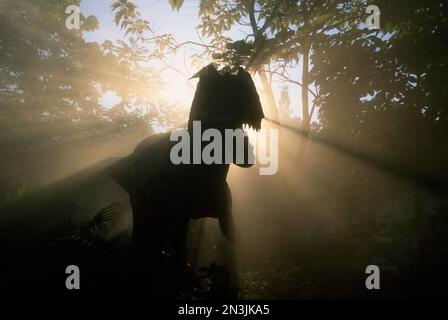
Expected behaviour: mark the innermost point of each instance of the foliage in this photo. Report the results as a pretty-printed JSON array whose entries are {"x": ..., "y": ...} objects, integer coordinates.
[
  {"x": 176, "y": 4},
  {"x": 10, "y": 198},
  {"x": 50, "y": 75},
  {"x": 128, "y": 18},
  {"x": 372, "y": 84}
]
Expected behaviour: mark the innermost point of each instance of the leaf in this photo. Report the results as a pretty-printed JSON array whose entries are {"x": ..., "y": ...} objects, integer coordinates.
[
  {"x": 176, "y": 4},
  {"x": 217, "y": 56},
  {"x": 90, "y": 23},
  {"x": 320, "y": 20}
]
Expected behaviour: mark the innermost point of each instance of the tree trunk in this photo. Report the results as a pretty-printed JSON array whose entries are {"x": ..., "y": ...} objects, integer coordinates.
[
  {"x": 267, "y": 90},
  {"x": 305, "y": 126},
  {"x": 305, "y": 84}
]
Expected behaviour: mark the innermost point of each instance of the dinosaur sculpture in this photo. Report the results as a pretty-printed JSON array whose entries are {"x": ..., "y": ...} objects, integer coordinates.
[{"x": 164, "y": 196}]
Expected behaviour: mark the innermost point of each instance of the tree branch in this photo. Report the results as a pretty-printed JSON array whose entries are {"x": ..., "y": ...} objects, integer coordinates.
[
  {"x": 271, "y": 17},
  {"x": 287, "y": 79},
  {"x": 253, "y": 22}
]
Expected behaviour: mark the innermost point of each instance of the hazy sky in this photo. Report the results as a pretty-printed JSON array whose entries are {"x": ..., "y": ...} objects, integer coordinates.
[{"x": 182, "y": 25}]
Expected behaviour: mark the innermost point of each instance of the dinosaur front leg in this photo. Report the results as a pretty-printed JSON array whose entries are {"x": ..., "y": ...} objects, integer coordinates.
[
  {"x": 179, "y": 240},
  {"x": 148, "y": 231}
]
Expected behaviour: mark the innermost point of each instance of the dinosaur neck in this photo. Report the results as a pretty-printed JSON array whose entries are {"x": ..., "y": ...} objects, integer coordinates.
[
  {"x": 226, "y": 142},
  {"x": 208, "y": 172}
]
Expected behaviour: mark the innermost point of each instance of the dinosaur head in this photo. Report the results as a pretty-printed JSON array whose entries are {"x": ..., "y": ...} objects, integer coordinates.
[{"x": 226, "y": 101}]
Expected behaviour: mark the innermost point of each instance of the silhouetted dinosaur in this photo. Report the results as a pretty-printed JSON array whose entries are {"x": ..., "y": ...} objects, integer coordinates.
[{"x": 164, "y": 196}]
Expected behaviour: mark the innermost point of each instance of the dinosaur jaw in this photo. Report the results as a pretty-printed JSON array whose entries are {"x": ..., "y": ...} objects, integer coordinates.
[
  {"x": 254, "y": 125},
  {"x": 229, "y": 123}
]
